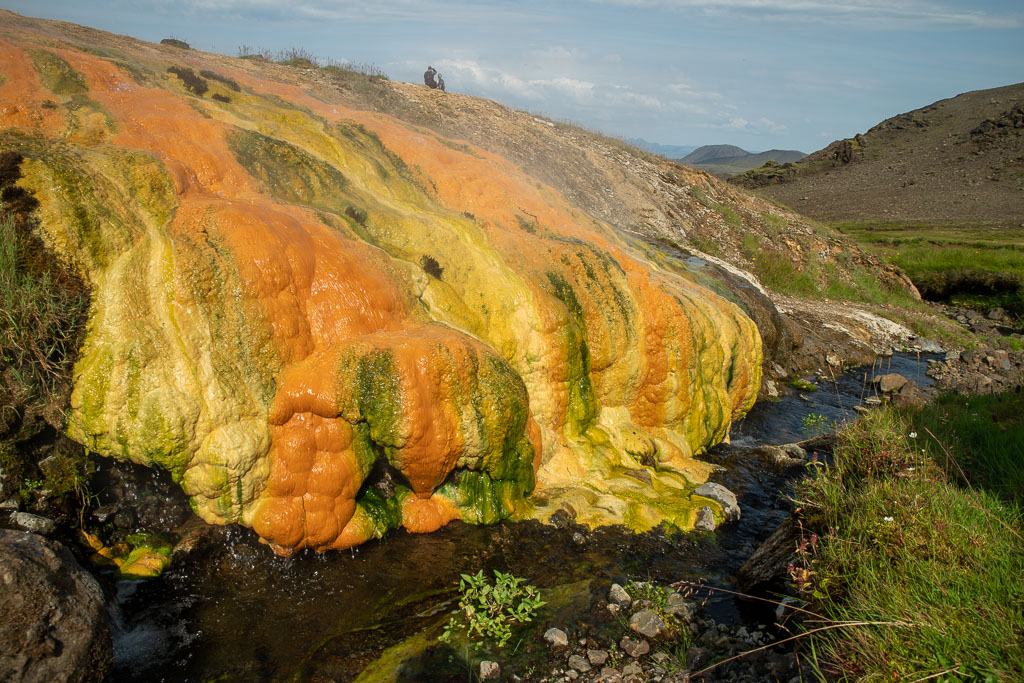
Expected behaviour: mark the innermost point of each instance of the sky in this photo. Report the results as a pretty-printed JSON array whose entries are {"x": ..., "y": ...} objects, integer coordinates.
[{"x": 759, "y": 74}]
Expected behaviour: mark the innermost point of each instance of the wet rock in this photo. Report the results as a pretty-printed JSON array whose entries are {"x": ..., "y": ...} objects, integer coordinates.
[
  {"x": 489, "y": 671},
  {"x": 723, "y": 496},
  {"x": 556, "y": 638},
  {"x": 579, "y": 541},
  {"x": 10, "y": 504},
  {"x": 890, "y": 382},
  {"x": 767, "y": 566},
  {"x": 647, "y": 623},
  {"x": 609, "y": 675},
  {"x": 104, "y": 513},
  {"x": 996, "y": 314},
  {"x": 55, "y": 625},
  {"x": 779, "y": 457},
  {"x": 597, "y": 657},
  {"x": 634, "y": 648},
  {"x": 562, "y": 518},
  {"x": 33, "y": 523},
  {"x": 771, "y": 389},
  {"x": 705, "y": 519},
  {"x": 617, "y": 595},
  {"x": 579, "y": 663}
]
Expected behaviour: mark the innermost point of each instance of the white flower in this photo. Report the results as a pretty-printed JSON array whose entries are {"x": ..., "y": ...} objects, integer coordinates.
[
  {"x": 913, "y": 435},
  {"x": 887, "y": 519}
]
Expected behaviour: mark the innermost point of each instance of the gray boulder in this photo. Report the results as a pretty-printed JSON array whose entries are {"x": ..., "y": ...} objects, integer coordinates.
[
  {"x": 722, "y": 496},
  {"x": 55, "y": 625}
]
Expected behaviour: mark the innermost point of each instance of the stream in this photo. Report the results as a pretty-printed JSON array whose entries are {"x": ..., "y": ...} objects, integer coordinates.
[{"x": 235, "y": 611}]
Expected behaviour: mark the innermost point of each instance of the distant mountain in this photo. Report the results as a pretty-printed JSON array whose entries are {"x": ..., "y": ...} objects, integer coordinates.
[
  {"x": 958, "y": 160},
  {"x": 667, "y": 151},
  {"x": 727, "y": 160},
  {"x": 708, "y": 152}
]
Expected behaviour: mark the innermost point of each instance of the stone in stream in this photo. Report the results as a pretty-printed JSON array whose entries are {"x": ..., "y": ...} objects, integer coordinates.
[
  {"x": 634, "y": 648},
  {"x": 647, "y": 623},
  {"x": 617, "y": 595},
  {"x": 489, "y": 671},
  {"x": 723, "y": 496},
  {"x": 767, "y": 565},
  {"x": 705, "y": 519},
  {"x": 54, "y": 626},
  {"x": 889, "y": 382},
  {"x": 556, "y": 638}
]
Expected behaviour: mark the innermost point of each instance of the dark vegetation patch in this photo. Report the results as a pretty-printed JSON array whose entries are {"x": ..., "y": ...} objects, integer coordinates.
[
  {"x": 192, "y": 81},
  {"x": 174, "y": 42},
  {"x": 220, "y": 98},
  {"x": 214, "y": 76},
  {"x": 43, "y": 306},
  {"x": 431, "y": 266},
  {"x": 288, "y": 173},
  {"x": 358, "y": 215}
]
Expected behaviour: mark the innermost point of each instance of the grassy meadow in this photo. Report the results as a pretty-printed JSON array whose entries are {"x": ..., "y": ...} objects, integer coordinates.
[
  {"x": 912, "y": 554},
  {"x": 976, "y": 266}
]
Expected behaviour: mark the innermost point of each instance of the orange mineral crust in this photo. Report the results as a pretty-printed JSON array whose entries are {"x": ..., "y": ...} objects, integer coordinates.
[{"x": 327, "y": 323}]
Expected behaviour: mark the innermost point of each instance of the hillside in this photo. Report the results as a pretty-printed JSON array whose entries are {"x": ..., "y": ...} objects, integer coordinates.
[
  {"x": 727, "y": 160},
  {"x": 958, "y": 160},
  {"x": 331, "y": 305}
]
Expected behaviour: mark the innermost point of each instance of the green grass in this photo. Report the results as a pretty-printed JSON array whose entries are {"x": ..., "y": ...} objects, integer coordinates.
[
  {"x": 985, "y": 439},
  {"x": 42, "y": 306},
  {"x": 981, "y": 266},
  {"x": 922, "y": 567}
]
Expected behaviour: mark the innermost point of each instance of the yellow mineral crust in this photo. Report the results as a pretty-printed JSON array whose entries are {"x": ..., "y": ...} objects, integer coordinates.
[{"x": 326, "y": 322}]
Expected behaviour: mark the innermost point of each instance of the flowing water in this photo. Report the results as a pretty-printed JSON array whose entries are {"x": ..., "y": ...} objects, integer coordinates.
[{"x": 236, "y": 612}]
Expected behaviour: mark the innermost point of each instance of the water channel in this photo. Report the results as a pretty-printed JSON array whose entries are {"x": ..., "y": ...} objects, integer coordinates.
[{"x": 237, "y": 612}]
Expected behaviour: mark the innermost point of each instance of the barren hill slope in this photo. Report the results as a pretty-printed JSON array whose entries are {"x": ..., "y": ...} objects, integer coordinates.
[{"x": 959, "y": 160}]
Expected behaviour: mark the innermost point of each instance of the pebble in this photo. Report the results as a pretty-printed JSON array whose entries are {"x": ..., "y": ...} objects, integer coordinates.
[
  {"x": 556, "y": 638},
  {"x": 579, "y": 664},
  {"x": 679, "y": 607},
  {"x": 489, "y": 671},
  {"x": 705, "y": 519},
  {"x": 634, "y": 648},
  {"x": 617, "y": 595},
  {"x": 647, "y": 623},
  {"x": 723, "y": 496},
  {"x": 597, "y": 657}
]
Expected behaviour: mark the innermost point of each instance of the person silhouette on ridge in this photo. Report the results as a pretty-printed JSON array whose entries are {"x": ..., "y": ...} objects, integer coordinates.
[{"x": 430, "y": 77}]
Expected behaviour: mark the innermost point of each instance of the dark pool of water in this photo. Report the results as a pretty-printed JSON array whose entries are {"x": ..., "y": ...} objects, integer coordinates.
[{"x": 240, "y": 613}]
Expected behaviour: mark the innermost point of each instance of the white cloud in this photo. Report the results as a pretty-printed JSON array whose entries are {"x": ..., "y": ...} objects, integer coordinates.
[{"x": 871, "y": 14}]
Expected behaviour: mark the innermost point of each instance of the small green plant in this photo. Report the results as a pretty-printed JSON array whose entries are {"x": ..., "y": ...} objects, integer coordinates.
[
  {"x": 816, "y": 424},
  {"x": 488, "y": 611},
  {"x": 803, "y": 385}
]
